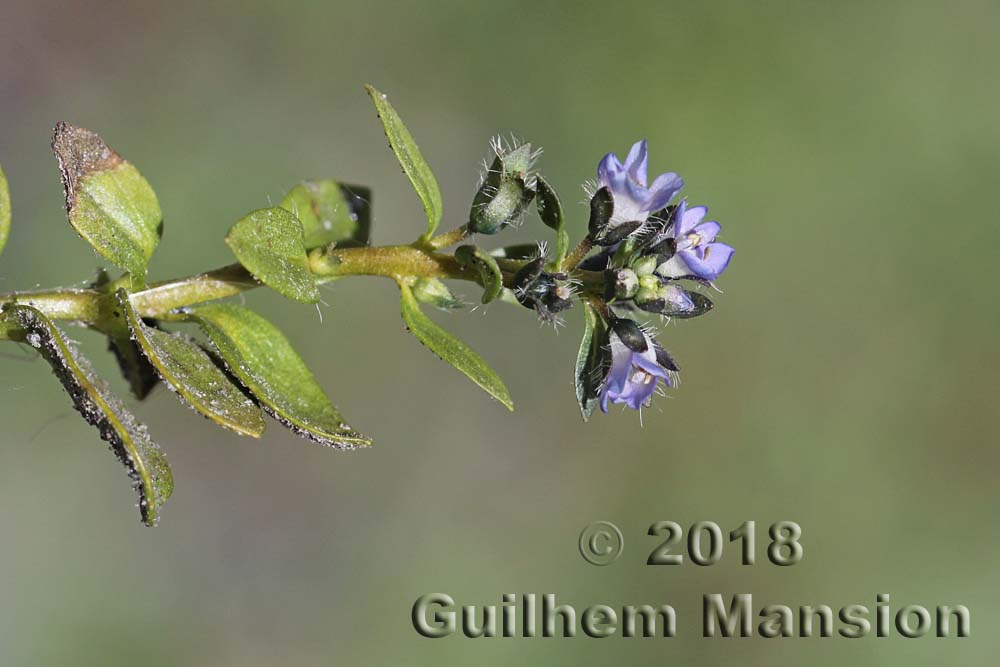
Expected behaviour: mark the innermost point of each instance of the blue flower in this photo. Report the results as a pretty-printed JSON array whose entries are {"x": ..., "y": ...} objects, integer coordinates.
[
  {"x": 638, "y": 364},
  {"x": 634, "y": 200},
  {"x": 696, "y": 252}
]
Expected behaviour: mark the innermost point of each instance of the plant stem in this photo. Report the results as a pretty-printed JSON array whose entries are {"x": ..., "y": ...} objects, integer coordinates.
[
  {"x": 577, "y": 254},
  {"x": 92, "y": 307}
]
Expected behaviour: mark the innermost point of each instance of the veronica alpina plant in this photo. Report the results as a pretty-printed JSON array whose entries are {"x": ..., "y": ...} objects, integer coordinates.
[{"x": 652, "y": 259}]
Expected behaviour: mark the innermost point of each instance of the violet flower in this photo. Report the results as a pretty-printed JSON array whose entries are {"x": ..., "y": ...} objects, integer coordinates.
[
  {"x": 634, "y": 199},
  {"x": 638, "y": 364},
  {"x": 696, "y": 252}
]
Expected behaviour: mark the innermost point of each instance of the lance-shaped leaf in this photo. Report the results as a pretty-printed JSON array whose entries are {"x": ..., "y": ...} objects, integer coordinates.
[
  {"x": 551, "y": 212},
  {"x": 451, "y": 349},
  {"x": 260, "y": 356},
  {"x": 129, "y": 439},
  {"x": 410, "y": 159},
  {"x": 489, "y": 273},
  {"x": 194, "y": 377},
  {"x": 108, "y": 201},
  {"x": 4, "y": 210},
  {"x": 269, "y": 242},
  {"x": 331, "y": 212},
  {"x": 592, "y": 362}
]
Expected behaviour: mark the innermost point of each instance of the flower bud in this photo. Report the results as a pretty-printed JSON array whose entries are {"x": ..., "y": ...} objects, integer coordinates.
[
  {"x": 649, "y": 282},
  {"x": 621, "y": 283},
  {"x": 435, "y": 293},
  {"x": 505, "y": 192},
  {"x": 648, "y": 299},
  {"x": 645, "y": 266}
]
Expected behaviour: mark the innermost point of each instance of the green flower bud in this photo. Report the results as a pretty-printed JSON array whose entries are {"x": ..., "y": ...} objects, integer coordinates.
[
  {"x": 649, "y": 282},
  {"x": 645, "y": 266},
  {"x": 621, "y": 283},
  {"x": 646, "y": 295},
  {"x": 434, "y": 293},
  {"x": 505, "y": 192}
]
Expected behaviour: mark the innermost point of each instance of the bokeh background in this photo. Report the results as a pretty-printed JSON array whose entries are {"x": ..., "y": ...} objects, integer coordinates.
[{"x": 846, "y": 380}]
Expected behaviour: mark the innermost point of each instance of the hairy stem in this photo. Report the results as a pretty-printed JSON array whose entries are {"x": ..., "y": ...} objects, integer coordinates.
[
  {"x": 93, "y": 307},
  {"x": 577, "y": 254}
]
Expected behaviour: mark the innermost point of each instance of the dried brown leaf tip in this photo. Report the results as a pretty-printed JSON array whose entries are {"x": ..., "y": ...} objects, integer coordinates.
[{"x": 80, "y": 152}]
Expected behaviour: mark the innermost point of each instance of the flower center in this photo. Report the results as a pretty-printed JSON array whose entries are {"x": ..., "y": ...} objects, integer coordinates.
[
  {"x": 692, "y": 240},
  {"x": 641, "y": 376}
]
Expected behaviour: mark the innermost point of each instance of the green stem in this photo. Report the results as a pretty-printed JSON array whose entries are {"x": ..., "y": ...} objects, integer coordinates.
[{"x": 94, "y": 307}]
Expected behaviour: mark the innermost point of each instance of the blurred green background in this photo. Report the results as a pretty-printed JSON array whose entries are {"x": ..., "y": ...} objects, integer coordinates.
[{"x": 846, "y": 379}]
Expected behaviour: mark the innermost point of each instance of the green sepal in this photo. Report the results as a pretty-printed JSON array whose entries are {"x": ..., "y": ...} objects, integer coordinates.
[
  {"x": 489, "y": 272},
  {"x": 410, "y": 159},
  {"x": 270, "y": 243},
  {"x": 592, "y": 362},
  {"x": 108, "y": 202},
  {"x": 331, "y": 212},
  {"x": 551, "y": 212},
  {"x": 4, "y": 210},
  {"x": 451, "y": 349},
  {"x": 193, "y": 375},
  {"x": 259, "y": 355},
  {"x": 91, "y": 396}
]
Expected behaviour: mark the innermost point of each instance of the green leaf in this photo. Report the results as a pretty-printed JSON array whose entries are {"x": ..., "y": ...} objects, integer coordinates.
[
  {"x": 108, "y": 201},
  {"x": 551, "y": 212},
  {"x": 193, "y": 376},
  {"x": 331, "y": 212},
  {"x": 410, "y": 159},
  {"x": 269, "y": 243},
  {"x": 4, "y": 210},
  {"x": 489, "y": 272},
  {"x": 592, "y": 361},
  {"x": 129, "y": 439},
  {"x": 261, "y": 357},
  {"x": 451, "y": 349}
]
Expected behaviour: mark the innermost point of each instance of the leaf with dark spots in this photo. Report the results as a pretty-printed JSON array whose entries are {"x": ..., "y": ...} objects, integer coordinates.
[{"x": 130, "y": 441}]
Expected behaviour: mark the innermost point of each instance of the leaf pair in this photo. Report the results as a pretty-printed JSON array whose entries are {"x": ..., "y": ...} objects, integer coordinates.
[
  {"x": 439, "y": 341},
  {"x": 254, "y": 351},
  {"x": 257, "y": 357}
]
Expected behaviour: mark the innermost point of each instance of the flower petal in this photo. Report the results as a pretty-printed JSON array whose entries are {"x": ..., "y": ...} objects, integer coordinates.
[
  {"x": 651, "y": 366},
  {"x": 708, "y": 231},
  {"x": 679, "y": 299},
  {"x": 688, "y": 218},
  {"x": 636, "y": 162},
  {"x": 609, "y": 170},
  {"x": 663, "y": 189},
  {"x": 708, "y": 261}
]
